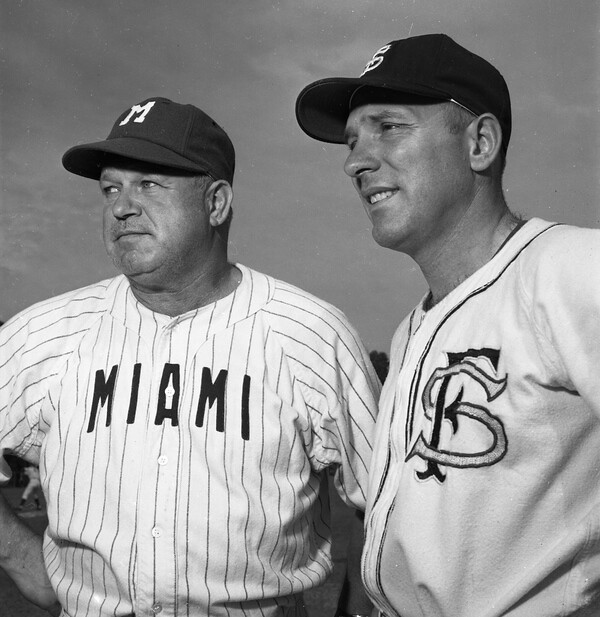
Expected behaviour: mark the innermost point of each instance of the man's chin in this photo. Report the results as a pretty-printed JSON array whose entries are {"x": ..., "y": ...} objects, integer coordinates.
[
  {"x": 393, "y": 238},
  {"x": 135, "y": 269},
  {"x": 384, "y": 240}
]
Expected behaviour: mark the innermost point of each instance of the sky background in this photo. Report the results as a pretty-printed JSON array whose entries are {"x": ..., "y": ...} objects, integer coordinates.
[{"x": 70, "y": 67}]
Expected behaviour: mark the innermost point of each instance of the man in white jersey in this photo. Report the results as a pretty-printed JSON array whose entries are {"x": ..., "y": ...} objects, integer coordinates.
[
  {"x": 185, "y": 415},
  {"x": 484, "y": 493}
]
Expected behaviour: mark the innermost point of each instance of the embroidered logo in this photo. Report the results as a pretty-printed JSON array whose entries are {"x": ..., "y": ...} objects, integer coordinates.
[
  {"x": 140, "y": 111},
  {"x": 450, "y": 394},
  {"x": 376, "y": 60}
]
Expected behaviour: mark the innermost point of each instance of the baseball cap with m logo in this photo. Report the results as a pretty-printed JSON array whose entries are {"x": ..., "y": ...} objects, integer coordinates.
[{"x": 162, "y": 132}]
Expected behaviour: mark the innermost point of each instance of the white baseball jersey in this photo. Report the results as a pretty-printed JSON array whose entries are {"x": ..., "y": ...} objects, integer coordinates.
[
  {"x": 184, "y": 460},
  {"x": 484, "y": 496}
]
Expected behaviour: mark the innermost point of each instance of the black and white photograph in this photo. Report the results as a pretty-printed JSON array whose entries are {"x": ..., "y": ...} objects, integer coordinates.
[{"x": 300, "y": 308}]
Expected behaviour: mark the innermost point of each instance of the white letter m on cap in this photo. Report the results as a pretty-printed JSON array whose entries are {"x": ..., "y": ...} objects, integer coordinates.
[{"x": 142, "y": 110}]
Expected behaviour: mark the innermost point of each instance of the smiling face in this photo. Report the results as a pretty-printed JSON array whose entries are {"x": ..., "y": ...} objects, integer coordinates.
[
  {"x": 156, "y": 226},
  {"x": 411, "y": 171}
]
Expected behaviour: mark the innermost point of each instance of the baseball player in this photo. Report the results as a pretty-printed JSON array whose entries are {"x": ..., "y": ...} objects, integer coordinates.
[
  {"x": 32, "y": 488},
  {"x": 484, "y": 495},
  {"x": 184, "y": 414}
]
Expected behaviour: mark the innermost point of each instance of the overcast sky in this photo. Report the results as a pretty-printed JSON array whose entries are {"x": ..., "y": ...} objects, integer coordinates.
[{"x": 70, "y": 67}]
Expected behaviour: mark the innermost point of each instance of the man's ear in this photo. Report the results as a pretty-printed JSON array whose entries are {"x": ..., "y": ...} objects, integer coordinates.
[
  {"x": 219, "y": 197},
  {"x": 485, "y": 136}
]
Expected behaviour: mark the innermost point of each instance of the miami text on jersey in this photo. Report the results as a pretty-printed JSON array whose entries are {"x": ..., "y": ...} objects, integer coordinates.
[{"x": 211, "y": 392}]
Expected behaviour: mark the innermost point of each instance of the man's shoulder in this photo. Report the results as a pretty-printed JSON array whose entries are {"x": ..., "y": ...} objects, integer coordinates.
[
  {"x": 556, "y": 247},
  {"x": 292, "y": 308},
  {"x": 288, "y": 292},
  {"x": 557, "y": 268},
  {"x": 72, "y": 307},
  {"x": 306, "y": 305}
]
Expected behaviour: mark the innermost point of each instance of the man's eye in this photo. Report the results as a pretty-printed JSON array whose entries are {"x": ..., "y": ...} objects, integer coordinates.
[
  {"x": 390, "y": 126},
  {"x": 351, "y": 144},
  {"x": 109, "y": 190},
  {"x": 148, "y": 184}
]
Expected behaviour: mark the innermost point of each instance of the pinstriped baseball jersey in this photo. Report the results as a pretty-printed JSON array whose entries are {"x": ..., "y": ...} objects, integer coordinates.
[
  {"x": 184, "y": 460},
  {"x": 484, "y": 494}
]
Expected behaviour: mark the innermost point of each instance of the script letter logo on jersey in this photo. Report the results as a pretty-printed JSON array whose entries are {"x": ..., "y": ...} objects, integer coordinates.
[{"x": 460, "y": 394}]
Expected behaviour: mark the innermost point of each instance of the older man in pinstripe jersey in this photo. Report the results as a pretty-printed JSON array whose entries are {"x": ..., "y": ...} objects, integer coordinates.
[{"x": 185, "y": 415}]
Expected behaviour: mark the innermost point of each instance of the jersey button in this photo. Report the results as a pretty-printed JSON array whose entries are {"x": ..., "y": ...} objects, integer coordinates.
[
  {"x": 156, "y": 532},
  {"x": 157, "y": 608},
  {"x": 163, "y": 460}
]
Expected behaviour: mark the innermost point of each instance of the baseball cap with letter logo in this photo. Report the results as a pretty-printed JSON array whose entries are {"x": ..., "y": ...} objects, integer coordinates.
[
  {"x": 376, "y": 60},
  {"x": 162, "y": 132},
  {"x": 431, "y": 65}
]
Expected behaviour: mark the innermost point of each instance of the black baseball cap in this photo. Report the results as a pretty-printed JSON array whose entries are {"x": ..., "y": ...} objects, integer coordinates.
[
  {"x": 162, "y": 132},
  {"x": 430, "y": 65}
]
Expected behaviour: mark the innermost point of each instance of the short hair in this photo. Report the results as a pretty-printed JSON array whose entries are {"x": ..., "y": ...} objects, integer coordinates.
[
  {"x": 458, "y": 119},
  {"x": 201, "y": 182}
]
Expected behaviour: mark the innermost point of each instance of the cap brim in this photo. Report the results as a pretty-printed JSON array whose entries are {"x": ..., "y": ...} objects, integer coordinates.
[
  {"x": 87, "y": 160},
  {"x": 323, "y": 107}
]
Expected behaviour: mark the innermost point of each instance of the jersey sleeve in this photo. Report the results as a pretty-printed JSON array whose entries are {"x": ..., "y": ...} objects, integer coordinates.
[
  {"x": 353, "y": 414},
  {"x": 17, "y": 393},
  {"x": 563, "y": 289},
  {"x": 341, "y": 391}
]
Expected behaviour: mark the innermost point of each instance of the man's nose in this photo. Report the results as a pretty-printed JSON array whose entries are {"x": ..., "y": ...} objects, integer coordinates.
[
  {"x": 362, "y": 159},
  {"x": 125, "y": 205}
]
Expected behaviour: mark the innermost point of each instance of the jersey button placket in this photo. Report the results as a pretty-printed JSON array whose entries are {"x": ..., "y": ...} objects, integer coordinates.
[{"x": 156, "y": 509}]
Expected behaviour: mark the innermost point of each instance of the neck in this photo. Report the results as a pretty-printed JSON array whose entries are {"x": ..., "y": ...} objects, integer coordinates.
[
  {"x": 470, "y": 246},
  {"x": 206, "y": 288}
]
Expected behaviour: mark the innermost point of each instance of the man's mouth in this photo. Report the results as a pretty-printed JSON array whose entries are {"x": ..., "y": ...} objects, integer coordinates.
[
  {"x": 128, "y": 232},
  {"x": 380, "y": 196}
]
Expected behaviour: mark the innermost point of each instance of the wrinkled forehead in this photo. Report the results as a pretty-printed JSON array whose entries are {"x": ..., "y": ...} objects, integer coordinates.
[{"x": 114, "y": 164}]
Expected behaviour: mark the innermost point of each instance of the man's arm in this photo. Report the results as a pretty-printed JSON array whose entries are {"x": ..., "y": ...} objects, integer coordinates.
[
  {"x": 21, "y": 558},
  {"x": 353, "y": 598}
]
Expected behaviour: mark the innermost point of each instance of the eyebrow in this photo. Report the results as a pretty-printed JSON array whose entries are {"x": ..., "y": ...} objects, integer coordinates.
[
  {"x": 104, "y": 174},
  {"x": 377, "y": 117}
]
